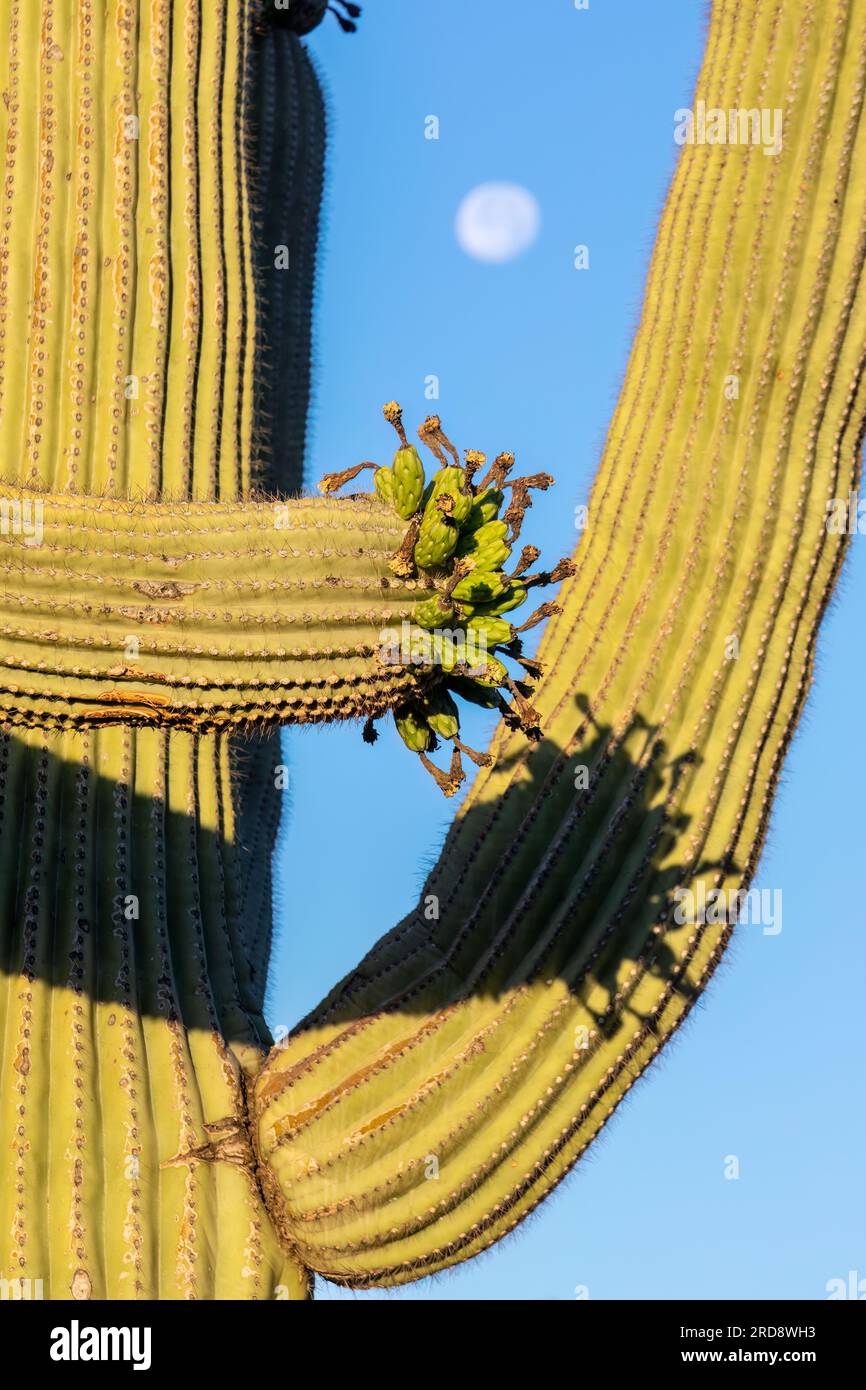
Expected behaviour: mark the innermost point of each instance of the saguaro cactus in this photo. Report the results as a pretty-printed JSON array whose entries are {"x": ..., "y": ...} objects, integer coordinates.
[{"x": 138, "y": 356}]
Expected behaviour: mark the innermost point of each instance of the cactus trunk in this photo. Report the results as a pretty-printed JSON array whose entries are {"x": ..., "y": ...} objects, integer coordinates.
[
  {"x": 143, "y": 141},
  {"x": 486, "y": 1048}
]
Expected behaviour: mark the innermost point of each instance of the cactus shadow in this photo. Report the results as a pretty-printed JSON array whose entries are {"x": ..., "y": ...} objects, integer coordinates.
[
  {"x": 568, "y": 869},
  {"x": 566, "y": 866},
  {"x": 122, "y": 899}
]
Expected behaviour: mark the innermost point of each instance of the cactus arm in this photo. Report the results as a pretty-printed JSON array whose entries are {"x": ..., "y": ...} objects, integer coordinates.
[
  {"x": 441, "y": 1091},
  {"x": 347, "y": 614},
  {"x": 238, "y": 616},
  {"x": 257, "y": 613}
]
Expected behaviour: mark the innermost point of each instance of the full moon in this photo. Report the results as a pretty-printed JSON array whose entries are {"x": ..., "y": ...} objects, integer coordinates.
[{"x": 497, "y": 222}]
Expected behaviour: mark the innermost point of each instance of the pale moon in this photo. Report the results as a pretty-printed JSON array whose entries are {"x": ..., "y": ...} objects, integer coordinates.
[{"x": 497, "y": 222}]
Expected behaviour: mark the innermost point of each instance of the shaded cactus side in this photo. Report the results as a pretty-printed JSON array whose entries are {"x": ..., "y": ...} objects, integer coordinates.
[{"x": 287, "y": 138}]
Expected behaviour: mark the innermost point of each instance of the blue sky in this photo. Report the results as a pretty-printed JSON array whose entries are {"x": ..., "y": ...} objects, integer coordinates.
[{"x": 577, "y": 106}]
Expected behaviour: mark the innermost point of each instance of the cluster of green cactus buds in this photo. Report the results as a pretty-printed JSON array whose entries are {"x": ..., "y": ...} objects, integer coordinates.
[{"x": 459, "y": 538}]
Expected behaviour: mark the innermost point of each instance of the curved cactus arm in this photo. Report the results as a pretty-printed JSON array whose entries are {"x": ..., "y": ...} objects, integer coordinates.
[{"x": 484, "y": 1043}]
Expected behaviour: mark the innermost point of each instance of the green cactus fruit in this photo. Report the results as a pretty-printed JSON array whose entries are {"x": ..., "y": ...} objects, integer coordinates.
[
  {"x": 448, "y": 649},
  {"x": 484, "y": 509},
  {"x": 493, "y": 631},
  {"x": 491, "y": 673},
  {"x": 471, "y": 541},
  {"x": 442, "y": 714},
  {"x": 413, "y": 729},
  {"x": 434, "y": 612},
  {"x": 451, "y": 482},
  {"x": 480, "y": 586},
  {"x": 383, "y": 481},
  {"x": 486, "y": 548},
  {"x": 408, "y": 481},
  {"x": 437, "y": 539},
  {"x": 512, "y": 597},
  {"x": 491, "y": 556}
]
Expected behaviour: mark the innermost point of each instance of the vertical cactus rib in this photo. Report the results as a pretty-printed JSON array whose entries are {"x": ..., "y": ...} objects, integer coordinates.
[
  {"x": 214, "y": 269},
  {"x": 186, "y": 232},
  {"x": 234, "y": 451},
  {"x": 451, "y": 1080}
]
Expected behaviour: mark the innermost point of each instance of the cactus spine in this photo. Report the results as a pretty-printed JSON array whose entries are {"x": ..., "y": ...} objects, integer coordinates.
[{"x": 500, "y": 1038}]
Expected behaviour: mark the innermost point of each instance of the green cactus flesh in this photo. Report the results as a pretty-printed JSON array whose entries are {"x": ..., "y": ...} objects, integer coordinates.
[{"x": 160, "y": 155}]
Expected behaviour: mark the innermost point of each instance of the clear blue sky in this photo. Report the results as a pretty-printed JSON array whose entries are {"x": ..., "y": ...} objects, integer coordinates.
[{"x": 578, "y": 107}]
